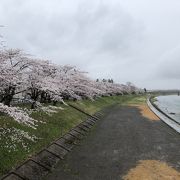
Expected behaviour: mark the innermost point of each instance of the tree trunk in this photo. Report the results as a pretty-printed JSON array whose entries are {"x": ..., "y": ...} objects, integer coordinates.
[
  {"x": 33, "y": 105},
  {"x": 54, "y": 103},
  {"x": 34, "y": 95},
  {"x": 8, "y": 97}
]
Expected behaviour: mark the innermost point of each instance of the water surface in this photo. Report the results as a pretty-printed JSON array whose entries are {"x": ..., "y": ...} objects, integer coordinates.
[{"x": 170, "y": 105}]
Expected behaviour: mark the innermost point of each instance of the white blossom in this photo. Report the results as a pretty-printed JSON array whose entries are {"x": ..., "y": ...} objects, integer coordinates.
[
  {"x": 18, "y": 115},
  {"x": 40, "y": 81}
]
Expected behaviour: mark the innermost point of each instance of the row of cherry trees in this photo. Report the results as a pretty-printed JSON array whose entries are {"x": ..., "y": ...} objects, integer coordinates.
[{"x": 41, "y": 81}]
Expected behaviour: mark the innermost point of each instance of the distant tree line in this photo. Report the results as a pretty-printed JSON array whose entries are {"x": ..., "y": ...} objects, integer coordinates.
[{"x": 105, "y": 80}]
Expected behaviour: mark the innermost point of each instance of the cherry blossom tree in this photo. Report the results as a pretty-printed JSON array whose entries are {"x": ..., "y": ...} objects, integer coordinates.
[
  {"x": 77, "y": 84},
  {"x": 131, "y": 88},
  {"x": 14, "y": 69},
  {"x": 42, "y": 81}
]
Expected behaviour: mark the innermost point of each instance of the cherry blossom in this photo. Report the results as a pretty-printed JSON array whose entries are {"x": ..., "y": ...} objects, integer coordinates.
[
  {"x": 18, "y": 115},
  {"x": 39, "y": 81}
]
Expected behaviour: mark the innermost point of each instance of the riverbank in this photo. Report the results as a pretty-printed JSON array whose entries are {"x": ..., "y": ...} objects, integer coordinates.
[
  {"x": 19, "y": 142},
  {"x": 170, "y": 104},
  {"x": 161, "y": 110}
]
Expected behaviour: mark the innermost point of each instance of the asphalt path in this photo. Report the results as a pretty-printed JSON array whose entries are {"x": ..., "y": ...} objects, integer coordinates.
[{"x": 115, "y": 145}]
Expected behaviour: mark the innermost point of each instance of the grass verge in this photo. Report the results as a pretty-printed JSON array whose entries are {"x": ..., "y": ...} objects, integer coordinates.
[{"x": 93, "y": 106}]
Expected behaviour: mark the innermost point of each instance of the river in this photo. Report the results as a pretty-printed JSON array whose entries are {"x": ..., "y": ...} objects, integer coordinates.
[{"x": 170, "y": 105}]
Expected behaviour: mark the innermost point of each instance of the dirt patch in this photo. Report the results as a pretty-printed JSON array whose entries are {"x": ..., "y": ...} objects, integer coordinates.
[
  {"x": 152, "y": 170},
  {"x": 146, "y": 112}
]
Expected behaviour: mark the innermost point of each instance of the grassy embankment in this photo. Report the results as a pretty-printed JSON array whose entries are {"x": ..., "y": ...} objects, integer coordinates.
[{"x": 15, "y": 148}]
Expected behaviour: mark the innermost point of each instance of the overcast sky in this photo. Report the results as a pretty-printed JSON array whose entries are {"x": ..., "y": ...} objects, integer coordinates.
[{"x": 127, "y": 40}]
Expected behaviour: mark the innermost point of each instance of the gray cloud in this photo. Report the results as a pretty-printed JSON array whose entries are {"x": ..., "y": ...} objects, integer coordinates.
[
  {"x": 169, "y": 66},
  {"x": 124, "y": 40}
]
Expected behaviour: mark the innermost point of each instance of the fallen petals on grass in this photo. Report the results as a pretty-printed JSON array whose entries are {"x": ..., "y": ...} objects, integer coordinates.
[
  {"x": 18, "y": 115},
  {"x": 11, "y": 138}
]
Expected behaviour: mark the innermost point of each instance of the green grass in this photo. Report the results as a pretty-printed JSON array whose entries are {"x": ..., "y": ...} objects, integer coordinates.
[
  {"x": 136, "y": 100},
  {"x": 56, "y": 125},
  {"x": 153, "y": 97},
  {"x": 93, "y": 106}
]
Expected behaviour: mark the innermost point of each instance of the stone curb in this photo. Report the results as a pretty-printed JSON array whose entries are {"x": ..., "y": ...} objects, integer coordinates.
[
  {"x": 43, "y": 162},
  {"x": 169, "y": 121}
]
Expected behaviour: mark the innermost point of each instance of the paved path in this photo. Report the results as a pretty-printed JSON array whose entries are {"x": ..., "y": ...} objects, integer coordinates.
[{"x": 116, "y": 144}]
